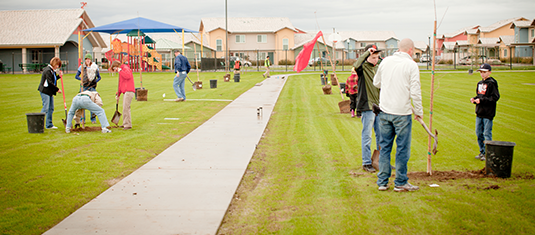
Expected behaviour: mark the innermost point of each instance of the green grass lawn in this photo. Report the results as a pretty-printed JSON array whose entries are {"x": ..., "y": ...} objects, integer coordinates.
[
  {"x": 306, "y": 176},
  {"x": 45, "y": 177}
]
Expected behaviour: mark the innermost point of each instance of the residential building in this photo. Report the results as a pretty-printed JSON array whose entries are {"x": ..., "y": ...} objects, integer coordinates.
[
  {"x": 524, "y": 34},
  {"x": 252, "y": 38},
  {"x": 35, "y": 36}
]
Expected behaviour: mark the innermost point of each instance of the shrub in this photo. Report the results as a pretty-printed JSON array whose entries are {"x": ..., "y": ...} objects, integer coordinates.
[
  {"x": 445, "y": 62},
  {"x": 286, "y": 62}
]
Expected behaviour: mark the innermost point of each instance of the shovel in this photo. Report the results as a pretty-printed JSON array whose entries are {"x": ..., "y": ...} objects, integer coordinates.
[
  {"x": 116, "y": 116},
  {"x": 192, "y": 84},
  {"x": 64, "y": 103},
  {"x": 435, "y": 136}
]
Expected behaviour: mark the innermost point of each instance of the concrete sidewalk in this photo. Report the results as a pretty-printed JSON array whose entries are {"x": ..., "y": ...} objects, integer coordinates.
[{"x": 189, "y": 186}]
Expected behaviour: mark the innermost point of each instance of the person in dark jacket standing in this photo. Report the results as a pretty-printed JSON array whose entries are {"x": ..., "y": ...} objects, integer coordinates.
[
  {"x": 487, "y": 95},
  {"x": 48, "y": 89},
  {"x": 182, "y": 69},
  {"x": 368, "y": 94}
]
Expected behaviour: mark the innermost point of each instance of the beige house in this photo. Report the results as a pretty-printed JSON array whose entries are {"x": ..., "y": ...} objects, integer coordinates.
[{"x": 251, "y": 38}]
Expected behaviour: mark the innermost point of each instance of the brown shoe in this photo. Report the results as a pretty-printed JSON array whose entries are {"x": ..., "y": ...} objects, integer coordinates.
[
  {"x": 179, "y": 99},
  {"x": 127, "y": 128}
]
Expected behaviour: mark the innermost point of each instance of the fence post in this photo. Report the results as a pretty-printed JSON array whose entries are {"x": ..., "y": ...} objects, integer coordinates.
[
  {"x": 12, "y": 62},
  {"x": 286, "y": 60}
]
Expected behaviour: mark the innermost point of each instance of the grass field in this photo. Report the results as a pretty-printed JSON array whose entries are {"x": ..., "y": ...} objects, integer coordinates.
[
  {"x": 46, "y": 177},
  {"x": 306, "y": 176}
]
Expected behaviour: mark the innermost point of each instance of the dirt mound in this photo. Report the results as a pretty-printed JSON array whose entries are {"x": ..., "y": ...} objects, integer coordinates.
[
  {"x": 447, "y": 175},
  {"x": 91, "y": 128}
]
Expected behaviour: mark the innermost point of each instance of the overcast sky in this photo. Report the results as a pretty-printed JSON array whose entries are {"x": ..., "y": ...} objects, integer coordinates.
[{"x": 407, "y": 18}]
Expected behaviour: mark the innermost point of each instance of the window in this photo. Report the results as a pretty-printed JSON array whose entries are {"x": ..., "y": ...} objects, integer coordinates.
[
  {"x": 532, "y": 32},
  {"x": 262, "y": 38},
  {"x": 362, "y": 44},
  {"x": 240, "y": 38},
  {"x": 285, "y": 43},
  {"x": 262, "y": 55},
  {"x": 219, "y": 44},
  {"x": 504, "y": 52}
]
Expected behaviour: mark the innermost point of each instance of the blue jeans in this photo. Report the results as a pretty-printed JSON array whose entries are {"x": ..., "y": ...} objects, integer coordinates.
[
  {"x": 84, "y": 102},
  {"x": 392, "y": 126},
  {"x": 178, "y": 85},
  {"x": 48, "y": 108},
  {"x": 369, "y": 121},
  {"x": 93, "y": 119},
  {"x": 483, "y": 132}
]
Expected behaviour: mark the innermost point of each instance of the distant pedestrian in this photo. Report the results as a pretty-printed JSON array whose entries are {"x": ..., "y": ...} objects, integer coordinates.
[
  {"x": 86, "y": 100},
  {"x": 398, "y": 77},
  {"x": 48, "y": 89},
  {"x": 182, "y": 68},
  {"x": 487, "y": 95},
  {"x": 267, "y": 64},
  {"x": 352, "y": 91},
  {"x": 368, "y": 95},
  {"x": 237, "y": 66},
  {"x": 126, "y": 87}
]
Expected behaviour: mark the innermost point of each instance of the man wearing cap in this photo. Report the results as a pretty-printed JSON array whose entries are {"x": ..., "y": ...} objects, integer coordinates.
[
  {"x": 398, "y": 77},
  {"x": 487, "y": 95},
  {"x": 368, "y": 95},
  {"x": 91, "y": 78},
  {"x": 182, "y": 68}
]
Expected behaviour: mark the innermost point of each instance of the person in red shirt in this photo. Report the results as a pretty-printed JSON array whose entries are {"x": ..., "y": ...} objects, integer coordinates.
[
  {"x": 126, "y": 87},
  {"x": 352, "y": 91}
]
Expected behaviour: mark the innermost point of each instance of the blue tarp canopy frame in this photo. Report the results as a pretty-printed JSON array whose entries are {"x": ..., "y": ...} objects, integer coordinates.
[{"x": 143, "y": 24}]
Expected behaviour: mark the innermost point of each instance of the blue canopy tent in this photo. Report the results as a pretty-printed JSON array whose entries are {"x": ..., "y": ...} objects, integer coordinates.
[{"x": 142, "y": 24}]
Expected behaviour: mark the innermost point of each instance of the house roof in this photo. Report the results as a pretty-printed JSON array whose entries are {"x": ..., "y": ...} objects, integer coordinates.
[
  {"x": 460, "y": 31},
  {"x": 247, "y": 24},
  {"x": 500, "y": 24},
  {"x": 507, "y": 40},
  {"x": 301, "y": 38},
  {"x": 521, "y": 24},
  {"x": 420, "y": 45},
  {"x": 368, "y": 36},
  {"x": 472, "y": 31},
  {"x": 488, "y": 42},
  {"x": 43, "y": 28},
  {"x": 449, "y": 45},
  {"x": 164, "y": 44},
  {"x": 462, "y": 43}
]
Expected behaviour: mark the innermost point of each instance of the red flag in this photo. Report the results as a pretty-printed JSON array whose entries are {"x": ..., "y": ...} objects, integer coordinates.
[{"x": 301, "y": 61}]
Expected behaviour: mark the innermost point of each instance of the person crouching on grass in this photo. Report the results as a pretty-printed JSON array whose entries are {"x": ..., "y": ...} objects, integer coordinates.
[
  {"x": 487, "y": 95},
  {"x": 86, "y": 100},
  {"x": 352, "y": 92},
  {"x": 126, "y": 87}
]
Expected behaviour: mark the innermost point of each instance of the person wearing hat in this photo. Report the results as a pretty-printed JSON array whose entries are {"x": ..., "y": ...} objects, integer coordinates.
[
  {"x": 182, "y": 68},
  {"x": 91, "y": 78},
  {"x": 487, "y": 95},
  {"x": 367, "y": 96}
]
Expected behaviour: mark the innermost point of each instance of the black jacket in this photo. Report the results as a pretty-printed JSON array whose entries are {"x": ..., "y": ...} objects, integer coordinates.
[
  {"x": 48, "y": 76},
  {"x": 488, "y": 94}
]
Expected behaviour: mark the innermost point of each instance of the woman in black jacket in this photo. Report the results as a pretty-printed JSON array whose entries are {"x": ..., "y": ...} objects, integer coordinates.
[{"x": 48, "y": 89}]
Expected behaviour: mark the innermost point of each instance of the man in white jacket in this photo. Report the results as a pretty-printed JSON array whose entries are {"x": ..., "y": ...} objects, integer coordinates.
[{"x": 398, "y": 77}]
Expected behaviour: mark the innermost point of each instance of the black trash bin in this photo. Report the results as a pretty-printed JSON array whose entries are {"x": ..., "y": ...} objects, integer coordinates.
[
  {"x": 323, "y": 79},
  {"x": 499, "y": 158},
  {"x": 36, "y": 122},
  {"x": 236, "y": 77},
  {"x": 213, "y": 83},
  {"x": 343, "y": 86}
]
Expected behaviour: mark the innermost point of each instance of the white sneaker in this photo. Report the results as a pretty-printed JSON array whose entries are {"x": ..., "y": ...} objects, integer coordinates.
[
  {"x": 383, "y": 187},
  {"x": 52, "y": 128},
  {"x": 106, "y": 130},
  {"x": 67, "y": 130},
  {"x": 406, "y": 188}
]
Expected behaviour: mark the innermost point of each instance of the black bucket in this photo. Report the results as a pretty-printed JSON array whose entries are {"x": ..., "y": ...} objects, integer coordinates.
[
  {"x": 236, "y": 77},
  {"x": 323, "y": 79},
  {"x": 36, "y": 122},
  {"x": 499, "y": 158},
  {"x": 213, "y": 83},
  {"x": 343, "y": 86}
]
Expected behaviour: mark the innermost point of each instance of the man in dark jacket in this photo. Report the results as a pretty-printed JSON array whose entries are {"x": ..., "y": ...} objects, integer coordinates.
[
  {"x": 182, "y": 68},
  {"x": 485, "y": 101},
  {"x": 368, "y": 94}
]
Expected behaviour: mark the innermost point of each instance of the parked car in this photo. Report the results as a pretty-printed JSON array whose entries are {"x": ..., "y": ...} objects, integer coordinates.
[
  {"x": 467, "y": 60},
  {"x": 427, "y": 58},
  {"x": 243, "y": 61},
  {"x": 317, "y": 60}
]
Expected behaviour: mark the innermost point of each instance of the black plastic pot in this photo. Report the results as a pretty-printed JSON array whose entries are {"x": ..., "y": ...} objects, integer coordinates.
[
  {"x": 499, "y": 158},
  {"x": 213, "y": 83},
  {"x": 36, "y": 122},
  {"x": 236, "y": 77}
]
